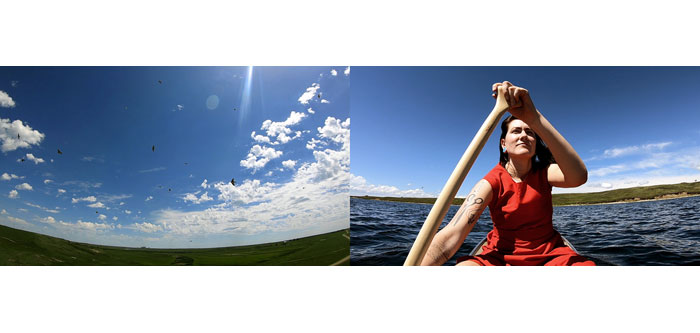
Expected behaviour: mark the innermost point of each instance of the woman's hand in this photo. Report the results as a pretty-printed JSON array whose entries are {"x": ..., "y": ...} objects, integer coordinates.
[{"x": 519, "y": 102}]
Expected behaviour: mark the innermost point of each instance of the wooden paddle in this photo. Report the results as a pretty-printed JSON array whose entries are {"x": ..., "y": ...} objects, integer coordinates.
[{"x": 448, "y": 193}]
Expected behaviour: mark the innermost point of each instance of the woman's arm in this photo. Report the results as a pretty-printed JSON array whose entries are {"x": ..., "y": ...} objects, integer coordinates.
[
  {"x": 448, "y": 240},
  {"x": 570, "y": 171}
]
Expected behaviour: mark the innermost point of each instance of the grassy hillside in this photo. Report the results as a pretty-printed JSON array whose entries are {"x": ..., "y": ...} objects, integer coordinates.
[
  {"x": 621, "y": 195},
  {"x": 18, "y": 247}
]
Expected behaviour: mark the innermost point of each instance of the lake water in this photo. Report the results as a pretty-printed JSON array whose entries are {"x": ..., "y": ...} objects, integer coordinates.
[{"x": 653, "y": 233}]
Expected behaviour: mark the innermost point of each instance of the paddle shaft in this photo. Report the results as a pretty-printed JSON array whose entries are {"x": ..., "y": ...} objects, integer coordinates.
[{"x": 448, "y": 193}]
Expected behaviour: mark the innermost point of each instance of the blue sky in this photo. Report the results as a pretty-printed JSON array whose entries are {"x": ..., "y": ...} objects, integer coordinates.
[
  {"x": 287, "y": 149},
  {"x": 632, "y": 126}
]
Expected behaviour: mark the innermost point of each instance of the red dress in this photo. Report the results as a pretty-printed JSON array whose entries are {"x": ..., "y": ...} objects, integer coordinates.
[{"x": 523, "y": 233}]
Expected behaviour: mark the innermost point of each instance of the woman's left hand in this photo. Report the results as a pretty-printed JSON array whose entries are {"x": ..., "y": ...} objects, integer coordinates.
[{"x": 519, "y": 102}]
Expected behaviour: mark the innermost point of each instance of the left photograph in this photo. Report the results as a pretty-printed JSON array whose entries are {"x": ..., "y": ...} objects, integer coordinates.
[{"x": 174, "y": 166}]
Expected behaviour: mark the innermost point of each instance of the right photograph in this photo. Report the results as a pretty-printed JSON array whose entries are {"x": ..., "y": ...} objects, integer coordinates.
[{"x": 525, "y": 166}]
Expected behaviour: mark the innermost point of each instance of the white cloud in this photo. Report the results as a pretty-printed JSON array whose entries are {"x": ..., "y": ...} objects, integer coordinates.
[
  {"x": 36, "y": 160},
  {"x": 96, "y": 205},
  {"x": 347, "y": 71},
  {"x": 127, "y": 211},
  {"x": 152, "y": 170},
  {"x": 259, "y": 138},
  {"x": 6, "y": 176},
  {"x": 334, "y": 72},
  {"x": 281, "y": 129},
  {"x": 193, "y": 197},
  {"x": 617, "y": 152},
  {"x": 269, "y": 173},
  {"x": 312, "y": 144},
  {"x": 324, "y": 101},
  {"x": 114, "y": 218},
  {"x": 180, "y": 107},
  {"x": 5, "y": 100},
  {"x": 283, "y": 138},
  {"x": 259, "y": 156},
  {"x": 309, "y": 94},
  {"x": 336, "y": 130},
  {"x": 9, "y": 132},
  {"x": 48, "y": 219},
  {"x": 101, "y": 217},
  {"x": 14, "y": 83},
  {"x": 146, "y": 227},
  {"x": 289, "y": 164},
  {"x": 3, "y": 212},
  {"x": 88, "y": 199},
  {"x": 13, "y": 194},
  {"x": 359, "y": 186},
  {"x": 149, "y": 198},
  {"x": 61, "y": 191},
  {"x": 54, "y": 211},
  {"x": 310, "y": 110},
  {"x": 87, "y": 225},
  {"x": 24, "y": 186},
  {"x": 204, "y": 184},
  {"x": 46, "y": 181}
]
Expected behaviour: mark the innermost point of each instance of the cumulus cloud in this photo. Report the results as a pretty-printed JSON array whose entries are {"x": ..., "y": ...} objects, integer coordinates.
[
  {"x": 34, "y": 159},
  {"x": 24, "y": 186},
  {"x": 192, "y": 197},
  {"x": 347, "y": 71},
  {"x": 96, "y": 205},
  {"x": 259, "y": 138},
  {"x": 10, "y": 130},
  {"x": 127, "y": 211},
  {"x": 46, "y": 181},
  {"x": 61, "y": 191},
  {"x": 13, "y": 194},
  {"x": 312, "y": 144},
  {"x": 259, "y": 156},
  {"x": 180, "y": 107},
  {"x": 324, "y": 101},
  {"x": 204, "y": 184},
  {"x": 149, "y": 198},
  {"x": 310, "y": 110},
  {"x": 88, "y": 199},
  {"x": 360, "y": 186},
  {"x": 87, "y": 225},
  {"x": 6, "y": 176},
  {"x": 5, "y": 100},
  {"x": 101, "y": 217},
  {"x": 114, "y": 218},
  {"x": 289, "y": 164},
  {"x": 336, "y": 130},
  {"x": 309, "y": 94},
  {"x": 334, "y": 72},
  {"x": 48, "y": 219},
  {"x": 280, "y": 129},
  {"x": 146, "y": 227}
]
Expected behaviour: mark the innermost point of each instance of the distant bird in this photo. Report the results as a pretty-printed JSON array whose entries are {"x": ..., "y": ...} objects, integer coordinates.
[
  {"x": 96, "y": 212},
  {"x": 319, "y": 96},
  {"x": 17, "y": 136},
  {"x": 160, "y": 82},
  {"x": 59, "y": 152},
  {"x": 233, "y": 181},
  {"x": 169, "y": 190},
  {"x": 234, "y": 109},
  {"x": 185, "y": 163},
  {"x": 22, "y": 160},
  {"x": 153, "y": 148}
]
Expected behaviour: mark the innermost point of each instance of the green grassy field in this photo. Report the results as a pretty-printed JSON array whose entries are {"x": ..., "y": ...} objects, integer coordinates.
[
  {"x": 621, "y": 195},
  {"x": 18, "y": 247}
]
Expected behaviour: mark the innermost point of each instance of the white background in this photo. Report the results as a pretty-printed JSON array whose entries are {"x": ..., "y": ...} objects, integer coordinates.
[{"x": 348, "y": 299}]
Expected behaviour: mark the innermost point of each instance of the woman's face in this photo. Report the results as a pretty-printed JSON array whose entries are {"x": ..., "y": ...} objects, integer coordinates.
[{"x": 520, "y": 140}]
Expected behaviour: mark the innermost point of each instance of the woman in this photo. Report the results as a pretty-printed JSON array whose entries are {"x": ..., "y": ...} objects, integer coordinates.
[{"x": 518, "y": 192}]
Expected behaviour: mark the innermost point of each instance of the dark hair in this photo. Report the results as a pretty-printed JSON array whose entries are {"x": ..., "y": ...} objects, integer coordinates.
[{"x": 543, "y": 157}]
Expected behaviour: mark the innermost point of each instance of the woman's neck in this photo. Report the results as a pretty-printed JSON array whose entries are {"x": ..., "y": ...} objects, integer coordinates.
[{"x": 518, "y": 169}]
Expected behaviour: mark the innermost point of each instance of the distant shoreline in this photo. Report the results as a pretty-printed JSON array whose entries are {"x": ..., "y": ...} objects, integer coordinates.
[{"x": 620, "y": 196}]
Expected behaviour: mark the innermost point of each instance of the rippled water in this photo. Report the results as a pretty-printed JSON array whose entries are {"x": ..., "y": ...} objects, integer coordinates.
[{"x": 665, "y": 232}]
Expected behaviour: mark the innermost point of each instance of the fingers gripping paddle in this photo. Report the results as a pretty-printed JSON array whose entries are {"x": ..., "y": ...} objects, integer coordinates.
[{"x": 448, "y": 193}]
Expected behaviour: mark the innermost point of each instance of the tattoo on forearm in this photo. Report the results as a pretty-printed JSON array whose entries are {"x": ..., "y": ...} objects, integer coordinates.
[{"x": 471, "y": 200}]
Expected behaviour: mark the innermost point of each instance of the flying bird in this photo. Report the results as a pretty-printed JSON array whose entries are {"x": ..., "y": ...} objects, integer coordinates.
[
  {"x": 169, "y": 190},
  {"x": 22, "y": 160},
  {"x": 233, "y": 181},
  {"x": 17, "y": 136},
  {"x": 160, "y": 82},
  {"x": 59, "y": 152},
  {"x": 319, "y": 96},
  {"x": 153, "y": 148}
]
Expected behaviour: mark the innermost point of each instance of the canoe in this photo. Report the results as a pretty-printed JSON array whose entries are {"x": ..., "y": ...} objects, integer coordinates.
[{"x": 479, "y": 247}]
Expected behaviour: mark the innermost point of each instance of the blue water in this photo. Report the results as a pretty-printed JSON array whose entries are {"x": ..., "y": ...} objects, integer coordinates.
[{"x": 652, "y": 233}]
